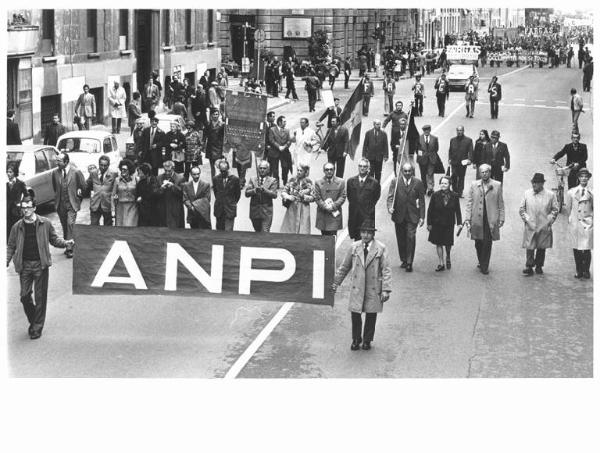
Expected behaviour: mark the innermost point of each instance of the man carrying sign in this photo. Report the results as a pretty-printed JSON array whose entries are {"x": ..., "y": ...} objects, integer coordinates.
[
  {"x": 495, "y": 90},
  {"x": 442, "y": 93},
  {"x": 471, "y": 88},
  {"x": 419, "y": 91}
]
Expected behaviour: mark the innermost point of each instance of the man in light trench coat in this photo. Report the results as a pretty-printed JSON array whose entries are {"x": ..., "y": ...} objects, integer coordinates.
[
  {"x": 538, "y": 210},
  {"x": 580, "y": 209},
  {"x": 368, "y": 262}
]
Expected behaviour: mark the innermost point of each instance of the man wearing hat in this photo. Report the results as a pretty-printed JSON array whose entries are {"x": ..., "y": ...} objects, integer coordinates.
[
  {"x": 580, "y": 208},
  {"x": 495, "y": 153},
  {"x": 368, "y": 263},
  {"x": 577, "y": 154},
  {"x": 419, "y": 92},
  {"x": 471, "y": 88},
  {"x": 28, "y": 248},
  {"x": 539, "y": 209},
  {"x": 428, "y": 157}
]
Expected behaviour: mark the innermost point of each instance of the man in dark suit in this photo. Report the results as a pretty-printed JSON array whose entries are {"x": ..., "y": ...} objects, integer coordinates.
[
  {"x": 336, "y": 145},
  {"x": 170, "y": 197},
  {"x": 428, "y": 157},
  {"x": 227, "y": 194},
  {"x": 196, "y": 198},
  {"x": 363, "y": 192},
  {"x": 375, "y": 149},
  {"x": 13, "y": 135},
  {"x": 332, "y": 112},
  {"x": 577, "y": 155},
  {"x": 68, "y": 184},
  {"x": 262, "y": 190},
  {"x": 279, "y": 150},
  {"x": 214, "y": 134},
  {"x": 496, "y": 154},
  {"x": 460, "y": 155},
  {"x": 368, "y": 92},
  {"x": 347, "y": 72},
  {"x": 406, "y": 204},
  {"x": 152, "y": 146},
  {"x": 100, "y": 184},
  {"x": 53, "y": 131},
  {"x": 442, "y": 93},
  {"x": 268, "y": 125}
]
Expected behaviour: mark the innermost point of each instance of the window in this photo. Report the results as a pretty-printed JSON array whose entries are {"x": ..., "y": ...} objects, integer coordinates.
[
  {"x": 166, "y": 27},
  {"x": 188, "y": 26},
  {"x": 48, "y": 24},
  {"x": 107, "y": 146},
  {"x": 123, "y": 28},
  {"x": 210, "y": 25},
  {"x": 92, "y": 29},
  {"x": 41, "y": 163},
  {"x": 114, "y": 143},
  {"x": 51, "y": 156}
]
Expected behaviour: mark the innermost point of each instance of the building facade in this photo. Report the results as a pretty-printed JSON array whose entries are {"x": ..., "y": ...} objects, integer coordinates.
[
  {"x": 286, "y": 30},
  {"x": 53, "y": 53}
]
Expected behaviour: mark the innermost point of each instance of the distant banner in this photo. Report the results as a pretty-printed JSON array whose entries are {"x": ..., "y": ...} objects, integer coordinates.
[
  {"x": 244, "y": 125},
  {"x": 462, "y": 52},
  {"x": 203, "y": 263},
  {"x": 525, "y": 56}
]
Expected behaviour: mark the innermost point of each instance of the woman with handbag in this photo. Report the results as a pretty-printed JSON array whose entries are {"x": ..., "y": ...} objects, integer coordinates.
[
  {"x": 296, "y": 197},
  {"x": 444, "y": 209},
  {"x": 176, "y": 146}
]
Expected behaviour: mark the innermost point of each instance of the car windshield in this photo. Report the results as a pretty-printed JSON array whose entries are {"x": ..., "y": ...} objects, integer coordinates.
[
  {"x": 14, "y": 158},
  {"x": 85, "y": 145}
]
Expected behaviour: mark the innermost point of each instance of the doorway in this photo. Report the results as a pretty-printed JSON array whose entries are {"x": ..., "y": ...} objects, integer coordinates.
[
  {"x": 143, "y": 46},
  {"x": 237, "y": 23}
]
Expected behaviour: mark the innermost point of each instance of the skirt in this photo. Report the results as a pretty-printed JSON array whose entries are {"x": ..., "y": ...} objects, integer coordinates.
[{"x": 442, "y": 235}]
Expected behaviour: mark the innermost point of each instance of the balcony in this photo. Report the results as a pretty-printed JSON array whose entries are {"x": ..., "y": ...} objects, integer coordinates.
[{"x": 22, "y": 40}]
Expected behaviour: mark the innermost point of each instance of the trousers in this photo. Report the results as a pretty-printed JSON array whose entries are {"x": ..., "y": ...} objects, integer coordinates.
[
  {"x": 406, "y": 233},
  {"x": 357, "y": 331},
  {"x": 95, "y": 217},
  {"x": 33, "y": 276},
  {"x": 262, "y": 225},
  {"x": 68, "y": 217},
  {"x": 483, "y": 247},
  {"x": 535, "y": 257}
]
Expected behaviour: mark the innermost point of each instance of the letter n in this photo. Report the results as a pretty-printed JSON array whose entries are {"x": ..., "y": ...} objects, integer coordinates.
[{"x": 176, "y": 254}]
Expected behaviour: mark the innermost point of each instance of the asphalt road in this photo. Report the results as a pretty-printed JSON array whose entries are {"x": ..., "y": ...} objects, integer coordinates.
[{"x": 453, "y": 324}]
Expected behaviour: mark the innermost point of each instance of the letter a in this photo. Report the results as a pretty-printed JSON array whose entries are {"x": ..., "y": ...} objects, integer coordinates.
[{"x": 120, "y": 249}]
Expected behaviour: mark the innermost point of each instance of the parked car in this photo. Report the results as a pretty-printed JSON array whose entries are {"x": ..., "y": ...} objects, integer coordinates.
[
  {"x": 34, "y": 165},
  {"x": 164, "y": 123},
  {"x": 85, "y": 147},
  {"x": 458, "y": 75}
]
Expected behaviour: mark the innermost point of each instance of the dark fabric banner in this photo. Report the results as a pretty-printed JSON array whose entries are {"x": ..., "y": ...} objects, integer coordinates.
[
  {"x": 351, "y": 118},
  {"x": 203, "y": 263},
  {"x": 244, "y": 125}
]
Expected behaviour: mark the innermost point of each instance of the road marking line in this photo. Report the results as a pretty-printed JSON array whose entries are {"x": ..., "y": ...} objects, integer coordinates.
[
  {"x": 519, "y": 99},
  {"x": 539, "y": 100},
  {"x": 561, "y": 102},
  {"x": 243, "y": 360}
]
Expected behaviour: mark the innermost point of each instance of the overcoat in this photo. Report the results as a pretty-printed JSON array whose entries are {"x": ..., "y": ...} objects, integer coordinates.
[
  {"x": 226, "y": 196},
  {"x": 171, "y": 200},
  {"x": 537, "y": 211},
  {"x": 336, "y": 191},
  {"x": 361, "y": 202},
  {"x": 581, "y": 218},
  {"x": 261, "y": 203},
  {"x": 368, "y": 279},
  {"x": 494, "y": 208},
  {"x": 116, "y": 99},
  {"x": 297, "y": 216}
]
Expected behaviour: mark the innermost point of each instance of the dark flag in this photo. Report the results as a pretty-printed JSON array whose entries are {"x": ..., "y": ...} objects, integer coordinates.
[
  {"x": 351, "y": 118},
  {"x": 411, "y": 137}
]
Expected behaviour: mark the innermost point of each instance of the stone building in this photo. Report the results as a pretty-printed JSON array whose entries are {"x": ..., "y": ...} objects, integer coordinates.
[{"x": 51, "y": 54}]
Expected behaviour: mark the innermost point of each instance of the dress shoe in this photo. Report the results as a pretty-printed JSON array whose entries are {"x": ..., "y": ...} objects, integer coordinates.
[
  {"x": 403, "y": 265},
  {"x": 35, "y": 335},
  {"x": 65, "y": 252},
  {"x": 528, "y": 271},
  {"x": 578, "y": 275},
  {"x": 409, "y": 268},
  {"x": 439, "y": 268},
  {"x": 538, "y": 270},
  {"x": 355, "y": 346},
  {"x": 485, "y": 271},
  {"x": 366, "y": 345},
  {"x": 586, "y": 275},
  {"x": 69, "y": 253},
  {"x": 448, "y": 264}
]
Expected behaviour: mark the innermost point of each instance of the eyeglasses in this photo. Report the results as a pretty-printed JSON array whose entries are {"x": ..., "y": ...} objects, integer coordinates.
[
  {"x": 27, "y": 207},
  {"x": 124, "y": 169},
  {"x": 195, "y": 174},
  {"x": 329, "y": 169}
]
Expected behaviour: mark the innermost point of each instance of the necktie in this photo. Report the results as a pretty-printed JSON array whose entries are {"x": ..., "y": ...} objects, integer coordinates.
[
  {"x": 152, "y": 135},
  {"x": 366, "y": 252},
  {"x": 64, "y": 174},
  {"x": 101, "y": 177},
  {"x": 427, "y": 141},
  {"x": 582, "y": 192}
]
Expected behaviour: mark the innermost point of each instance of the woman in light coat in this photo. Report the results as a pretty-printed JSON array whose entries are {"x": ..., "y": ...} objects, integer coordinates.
[
  {"x": 116, "y": 100},
  {"x": 125, "y": 197},
  {"x": 368, "y": 264},
  {"x": 580, "y": 208},
  {"x": 297, "y": 196}
]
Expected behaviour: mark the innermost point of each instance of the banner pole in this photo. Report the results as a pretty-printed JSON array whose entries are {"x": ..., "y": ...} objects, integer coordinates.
[{"x": 402, "y": 157}]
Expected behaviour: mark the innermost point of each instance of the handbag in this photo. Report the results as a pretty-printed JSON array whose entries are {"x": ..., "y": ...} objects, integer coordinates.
[
  {"x": 286, "y": 203},
  {"x": 76, "y": 119}
]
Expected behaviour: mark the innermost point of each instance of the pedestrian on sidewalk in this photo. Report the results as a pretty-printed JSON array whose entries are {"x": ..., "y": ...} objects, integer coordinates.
[
  {"x": 134, "y": 111},
  {"x": 576, "y": 108},
  {"x": 580, "y": 209},
  {"x": 484, "y": 215},
  {"x": 53, "y": 131},
  {"x": 368, "y": 264},
  {"x": 29, "y": 249},
  {"x": 116, "y": 99},
  {"x": 538, "y": 209},
  {"x": 443, "y": 213},
  {"x": 85, "y": 108}
]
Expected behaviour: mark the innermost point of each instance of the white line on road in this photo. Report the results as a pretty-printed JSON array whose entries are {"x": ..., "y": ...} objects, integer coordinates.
[
  {"x": 519, "y": 99},
  {"x": 539, "y": 100},
  {"x": 243, "y": 360}
]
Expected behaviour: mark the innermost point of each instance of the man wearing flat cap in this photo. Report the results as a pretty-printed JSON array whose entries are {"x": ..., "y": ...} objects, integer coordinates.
[
  {"x": 428, "y": 158},
  {"x": 580, "y": 209},
  {"x": 368, "y": 263},
  {"x": 28, "y": 248},
  {"x": 539, "y": 209}
]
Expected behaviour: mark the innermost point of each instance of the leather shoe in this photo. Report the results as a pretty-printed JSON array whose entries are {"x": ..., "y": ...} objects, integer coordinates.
[
  {"x": 528, "y": 271},
  {"x": 578, "y": 275},
  {"x": 439, "y": 268},
  {"x": 366, "y": 345},
  {"x": 355, "y": 346},
  {"x": 35, "y": 335},
  {"x": 409, "y": 268},
  {"x": 448, "y": 264},
  {"x": 69, "y": 253},
  {"x": 586, "y": 275},
  {"x": 403, "y": 265},
  {"x": 485, "y": 271},
  {"x": 538, "y": 270}
]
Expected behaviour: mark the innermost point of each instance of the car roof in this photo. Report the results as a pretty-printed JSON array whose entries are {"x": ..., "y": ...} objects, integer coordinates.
[
  {"x": 86, "y": 134},
  {"x": 27, "y": 148}
]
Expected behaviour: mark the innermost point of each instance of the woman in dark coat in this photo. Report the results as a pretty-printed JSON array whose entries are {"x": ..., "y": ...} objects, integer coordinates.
[
  {"x": 444, "y": 209},
  {"x": 480, "y": 143},
  {"x": 147, "y": 197},
  {"x": 15, "y": 190}
]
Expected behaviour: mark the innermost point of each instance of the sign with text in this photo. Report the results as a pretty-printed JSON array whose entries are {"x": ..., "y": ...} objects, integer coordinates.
[
  {"x": 203, "y": 263},
  {"x": 244, "y": 124},
  {"x": 462, "y": 52}
]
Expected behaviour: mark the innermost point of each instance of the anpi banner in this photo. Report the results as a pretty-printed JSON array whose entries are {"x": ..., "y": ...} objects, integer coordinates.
[{"x": 203, "y": 263}]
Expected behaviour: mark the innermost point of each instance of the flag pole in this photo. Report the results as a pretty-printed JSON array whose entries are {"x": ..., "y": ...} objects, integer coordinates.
[{"x": 402, "y": 157}]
